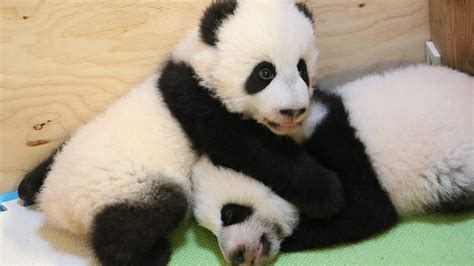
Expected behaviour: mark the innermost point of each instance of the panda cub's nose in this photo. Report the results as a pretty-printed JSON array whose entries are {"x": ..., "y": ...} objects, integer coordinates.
[
  {"x": 292, "y": 112},
  {"x": 239, "y": 256}
]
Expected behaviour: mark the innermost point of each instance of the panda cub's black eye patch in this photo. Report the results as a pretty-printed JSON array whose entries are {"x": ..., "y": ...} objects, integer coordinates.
[
  {"x": 303, "y": 71},
  {"x": 262, "y": 74},
  {"x": 235, "y": 213}
]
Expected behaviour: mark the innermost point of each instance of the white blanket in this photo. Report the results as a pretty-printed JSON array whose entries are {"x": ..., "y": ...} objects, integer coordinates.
[{"x": 25, "y": 239}]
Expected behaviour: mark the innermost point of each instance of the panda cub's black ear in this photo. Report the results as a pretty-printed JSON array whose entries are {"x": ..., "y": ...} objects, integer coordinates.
[
  {"x": 305, "y": 10},
  {"x": 217, "y": 12}
]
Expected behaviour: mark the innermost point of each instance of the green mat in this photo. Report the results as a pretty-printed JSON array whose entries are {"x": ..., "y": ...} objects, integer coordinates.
[{"x": 422, "y": 240}]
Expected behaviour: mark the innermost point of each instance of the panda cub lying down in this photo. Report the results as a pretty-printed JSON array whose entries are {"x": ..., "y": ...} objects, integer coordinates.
[
  {"x": 401, "y": 142},
  {"x": 123, "y": 179}
]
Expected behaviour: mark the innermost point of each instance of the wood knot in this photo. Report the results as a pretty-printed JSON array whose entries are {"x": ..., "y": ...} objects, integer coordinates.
[
  {"x": 39, "y": 126},
  {"x": 361, "y": 5},
  {"x": 33, "y": 143},
  {"x": 25, "y": 17}
]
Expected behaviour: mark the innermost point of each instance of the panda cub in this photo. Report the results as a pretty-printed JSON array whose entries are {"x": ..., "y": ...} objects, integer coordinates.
[
  {"x": 236, "y": 83},
  {"x": 402, "y": 143}
]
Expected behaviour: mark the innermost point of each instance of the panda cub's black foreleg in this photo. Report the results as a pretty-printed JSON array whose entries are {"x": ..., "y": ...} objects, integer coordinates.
[
  {"x": 135, "y": 232},
  {"x": 248, "y": 147},
  {"x": 32, "y": 182},
  {"x": 368, "y": 212}
]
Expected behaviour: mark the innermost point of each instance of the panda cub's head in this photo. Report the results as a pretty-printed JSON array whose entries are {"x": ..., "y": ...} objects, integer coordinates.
[
  {"x": 258, "y": 58},
  {"x": 248, "y": 219}
]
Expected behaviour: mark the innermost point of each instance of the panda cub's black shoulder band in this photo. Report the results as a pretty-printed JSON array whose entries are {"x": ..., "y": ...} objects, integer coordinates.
[
  {"x": 213, "y": 17},
  {"x": 304, "y": 9}
]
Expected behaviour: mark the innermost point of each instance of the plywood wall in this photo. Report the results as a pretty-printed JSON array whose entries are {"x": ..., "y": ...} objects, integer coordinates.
[
  {"x": 452, "y": 32},
  {"x": 62, "y": 62}
]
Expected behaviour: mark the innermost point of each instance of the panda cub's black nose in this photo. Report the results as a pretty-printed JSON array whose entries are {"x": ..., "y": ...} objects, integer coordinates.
[
  {"x": 292, "y": 112},
  {"x": 239, "y": 256}
]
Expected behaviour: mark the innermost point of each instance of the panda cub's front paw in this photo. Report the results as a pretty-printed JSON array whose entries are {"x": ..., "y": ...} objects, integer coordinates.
[
  {"x": 27, "y": 192},
  {"x": 326, "y": 200}
]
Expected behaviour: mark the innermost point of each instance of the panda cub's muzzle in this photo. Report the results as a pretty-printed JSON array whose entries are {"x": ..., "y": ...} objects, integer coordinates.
[
  {"x": 244, "y": 255},
  {"x": 247, "y": 238},
  {"x": 291, "y": 119}
]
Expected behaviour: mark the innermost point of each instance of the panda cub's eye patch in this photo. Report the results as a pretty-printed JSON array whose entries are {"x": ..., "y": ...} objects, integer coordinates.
[
  {"x": 262, "y": 75},
  {"x": 235, "y": 213},
  {"x": 303, "y": 71}
]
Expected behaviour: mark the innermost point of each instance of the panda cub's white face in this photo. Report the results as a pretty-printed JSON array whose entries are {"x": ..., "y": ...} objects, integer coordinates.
[
  {"x": 248, "y": 219},
  {"x": 261, "y": 62},
  {"x": 265, "y": 63}
]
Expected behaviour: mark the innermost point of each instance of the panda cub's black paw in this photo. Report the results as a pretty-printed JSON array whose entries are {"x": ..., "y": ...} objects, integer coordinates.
[
  {"x": 327, "y": 200},
  {"x": 27, "y": 191}
]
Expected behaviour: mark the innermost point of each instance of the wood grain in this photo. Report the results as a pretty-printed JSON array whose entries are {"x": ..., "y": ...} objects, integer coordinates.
[
  {"x": 452, "y": 31},
  {"x": 358, "y": 37},
  {"x": 62, "y": 62}
]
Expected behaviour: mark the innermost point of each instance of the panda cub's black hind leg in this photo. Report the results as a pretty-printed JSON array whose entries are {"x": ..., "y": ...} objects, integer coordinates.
[
  {"x": 135, "y": 232},
  {"x": 32, "y": 182}
]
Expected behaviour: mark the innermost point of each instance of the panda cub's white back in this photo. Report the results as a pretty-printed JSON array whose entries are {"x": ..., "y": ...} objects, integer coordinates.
[{"x": 417, "y": 124}]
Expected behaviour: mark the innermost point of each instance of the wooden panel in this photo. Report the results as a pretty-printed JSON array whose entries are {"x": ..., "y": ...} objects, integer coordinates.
[
  {"x": 452, "y": 31},
  {"x": 358, "y": 37},
  {"x": 65, "y": 61}
]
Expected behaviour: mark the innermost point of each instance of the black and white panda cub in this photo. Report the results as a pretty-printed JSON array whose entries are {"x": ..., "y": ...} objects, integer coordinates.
[
  {"x": 401, "y": 142},
  {"x": 124, "y": 177}
]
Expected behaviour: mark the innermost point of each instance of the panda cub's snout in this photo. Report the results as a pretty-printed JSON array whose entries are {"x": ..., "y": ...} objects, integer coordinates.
[
  {"x": 245, "y": 238},
  {"x": 291, "y": 114},
  {"x": 251, "y": 253}
]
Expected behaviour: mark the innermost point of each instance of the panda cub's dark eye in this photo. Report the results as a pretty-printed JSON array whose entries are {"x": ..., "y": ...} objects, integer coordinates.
[
  {"x": 266, "y": 74},
  {"x": 303, "y": 71},
  {"x": 228, "y": 216},
  {"x": 261, "y": 76},
  {"x": 235, "y": 213}
]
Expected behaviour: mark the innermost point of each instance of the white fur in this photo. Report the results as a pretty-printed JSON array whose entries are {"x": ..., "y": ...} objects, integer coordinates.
[
  {"x": 317, "y": 113},
  {"x": 213, "y": 187},
  {"x": 417, "y": 125},
  {"x": 114, "y": 158}
]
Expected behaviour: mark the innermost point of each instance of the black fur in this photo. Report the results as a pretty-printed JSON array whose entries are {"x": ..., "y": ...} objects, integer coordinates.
[
  {"x": 303, "y": 71},
  {"x": 461, "y": 203},
  {"x": 232, "y": 213},
  {"x": 134, "y": 233},
  {"x": 213, "y": 17},
  {"x": 248, "y": 147},
  {"x": 254, "y": 82},
  {"x": 32, "y": 182},
  {"x": 368, "y": 208},
  {"x": 304, "y": 9}
]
